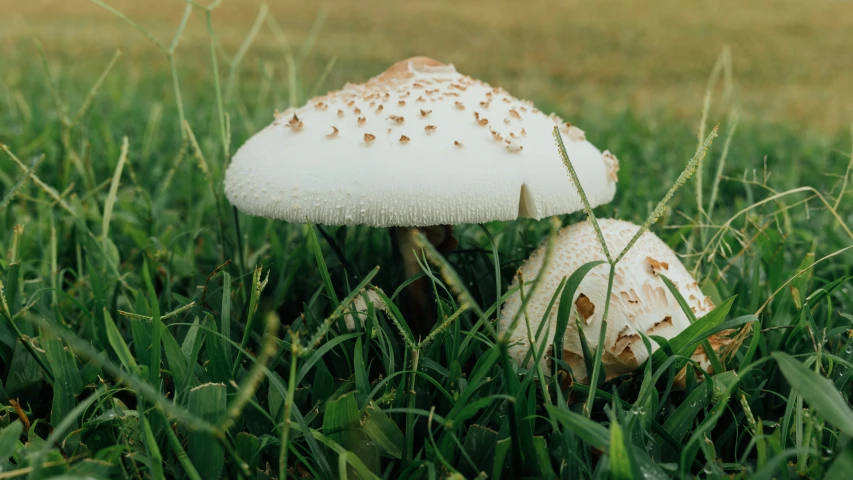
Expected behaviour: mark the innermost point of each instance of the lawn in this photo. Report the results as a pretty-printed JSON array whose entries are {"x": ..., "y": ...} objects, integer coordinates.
[{"x": 149, "y": 330}]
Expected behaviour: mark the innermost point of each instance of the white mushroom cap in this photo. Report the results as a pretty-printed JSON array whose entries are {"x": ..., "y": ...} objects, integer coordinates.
[
  {"x": 640, "y": 302},
  {"x": 418, "y": 145}
]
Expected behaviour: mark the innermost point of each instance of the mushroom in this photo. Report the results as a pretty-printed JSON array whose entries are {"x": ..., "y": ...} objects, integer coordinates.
[
  {"x": 639, "y": 301},
  {"x": 411, "y": 164}
]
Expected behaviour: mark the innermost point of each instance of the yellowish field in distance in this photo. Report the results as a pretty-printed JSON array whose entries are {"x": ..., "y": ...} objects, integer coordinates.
[{"x": 793, "y": 59}]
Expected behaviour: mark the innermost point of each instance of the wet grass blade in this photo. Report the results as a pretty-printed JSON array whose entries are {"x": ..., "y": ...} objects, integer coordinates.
[{"x": 818, "y": 391}]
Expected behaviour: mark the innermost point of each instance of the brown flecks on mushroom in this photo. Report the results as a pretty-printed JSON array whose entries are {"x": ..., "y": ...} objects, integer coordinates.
[
  {"x": 430, "y": 92},
  {"x": 484, "y": 104},
  {"x": 457, "y": 143},
  {"x": 624, "y": 338},
  {"x": 666, "y": 322},
  {"x": 320, "y": 106},
  {"x": 514, "y": 114},
  {"x": 380, "y": 108},
  {"x": 574, "y": 133},
  {"x": 458, "y": 87},
  {"x": 372, "y": 104},
  {"x": 334, "y": 132},
  {"x": 361, "y": 121},
  {"x": 459, "y": 106},
  {"x": 512, "y": 135},
  {"x": 396, "y": 118},
  {"x": 401, "y": 103},
  {"x": 295, "y": 123},
  {"x": 506, "y": 100},
  {"x": 429, "y": 129},
  {"x": 340, "y": 113},
  {"x": 451, "y": 94},
  {"x": 489, "y": 94},
  {"x": 480, "y": 121},
  {"x": 368, "y": 138},
  {"x": 405, "y": 95},
  {"x": 585, "y": 307},
  {"x": 425, "y": 113},
  {"x": 404, "y": 139},
  {"x": 421, "y": 99},
  {"x": 506, "y": 121},
  {"x": 417, "y": 85},
  {"x": 655, "y": 267},
  {"x": 612, "y": 165},
  {"x": 523, "y": 132},
  {"x": 351, "y": 103},
  {"x": 514, "y": 147},
  {"x": 389, "y": 131},
  {"x": 497, "y": 136},
  {"x": 357, "y": 111},
  {"x": 523, "y": 109}
]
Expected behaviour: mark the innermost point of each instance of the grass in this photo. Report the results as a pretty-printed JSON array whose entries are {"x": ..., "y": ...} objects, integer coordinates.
[{"x": 148, "y": 331}]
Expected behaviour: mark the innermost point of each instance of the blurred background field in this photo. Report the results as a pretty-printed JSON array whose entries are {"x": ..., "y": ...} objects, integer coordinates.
[{"x": 791, "y": 58}]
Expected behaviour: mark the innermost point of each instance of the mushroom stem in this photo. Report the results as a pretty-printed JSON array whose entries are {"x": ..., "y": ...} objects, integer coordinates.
[{"x": 419, "y": 307}]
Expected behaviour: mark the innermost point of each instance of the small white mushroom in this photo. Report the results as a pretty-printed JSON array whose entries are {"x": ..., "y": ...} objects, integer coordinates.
[
  {"x": 639, "y": 302},
  {"x": 359, "y": 307}
]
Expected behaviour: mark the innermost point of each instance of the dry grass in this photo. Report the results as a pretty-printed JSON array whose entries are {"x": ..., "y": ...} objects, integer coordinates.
[{"x": 791, "y": 57}]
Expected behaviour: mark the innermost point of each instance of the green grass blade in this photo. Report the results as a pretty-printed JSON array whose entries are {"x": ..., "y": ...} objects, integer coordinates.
[
  {"x": 818, "y": 391},
  {"x": 207, "y": 402}
]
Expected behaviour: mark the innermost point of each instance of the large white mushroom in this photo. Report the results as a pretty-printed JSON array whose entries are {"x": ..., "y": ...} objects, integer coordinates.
[
  {"x": 639, "y": 301},
  {"x": 419, "y": 145}
]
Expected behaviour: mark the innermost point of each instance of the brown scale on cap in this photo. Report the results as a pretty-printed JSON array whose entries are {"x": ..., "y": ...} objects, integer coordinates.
[
  {"x": 368, "y": 138},
  {"x": 497, "y": 136},
  {"x": 340, "y": 113},
  {"x": 401, "y": 103},
  {"x": 357, "y": 111},
  {"x": 334, "y": 132},
  {"x": 457, "y": 143},
  {"x": 612, "y": 164},
  {"x": 585, "y": 307},
  {"x": 295, "y": 123},
  {"x": 361, "y": 121},
  {"x": 429, "y": 129},
  {"x": 379, "y": 110},
  {"x": 404, "y": 139},
  {"x": 351, "y": 103},
  {"x": 320, "y": 106},
  {"x": 421, "y": 99},
  {"x": 397, "y": 119},
  {"x": 507, "y": 100},
  {"x": 480, "y": 121},
  {"x": 425, "y": 113},
  {"x": 514, "y": 114},
  {"x": 655, "y": 267},
  {"x": 484, "y": 104},
  {"x": 459, "y": 106}
]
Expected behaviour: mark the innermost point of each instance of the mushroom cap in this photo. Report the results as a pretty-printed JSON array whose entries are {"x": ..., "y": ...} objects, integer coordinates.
[
  {"x": 639, "y": 301},
  {"x": 417, "y": 145}
]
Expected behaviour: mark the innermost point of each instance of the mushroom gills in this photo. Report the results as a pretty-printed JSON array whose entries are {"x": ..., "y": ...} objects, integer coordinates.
[{"x": 526, "y": 203}]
